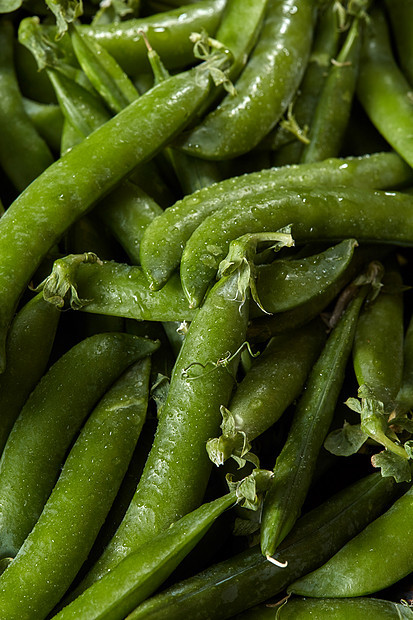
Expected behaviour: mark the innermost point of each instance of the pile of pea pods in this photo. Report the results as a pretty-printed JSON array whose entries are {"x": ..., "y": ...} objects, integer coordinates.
[{"x": 206, "y": 344}]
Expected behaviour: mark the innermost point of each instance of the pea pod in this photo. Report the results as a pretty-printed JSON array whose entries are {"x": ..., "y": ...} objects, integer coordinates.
[
  {"x": 202, "y": 380},
  {"x": 324, "y": 214},
  {"x": 336, "y": 609},
  {"x": 275, "y": 379},
  {"x": 139, "y": 574},
  {"x": 33, "y": 224},
  {"x": 405, "y": 395},
  {"x": 43, "y": 432},
  {"x": 383, "y": 90},
  {"x": 60, "y": 541},
  {"x": 163, "y": 242},
  {"x": 47, "y": 119},
  {"x": 295, "y": 465},
  {"x": 28, "y": 347},
  {"x": 373, "y": 560},
  {"x": 265, "y": 87},
  {"x": 400, "y": 13},
  {"x": 248, "y": 579}
]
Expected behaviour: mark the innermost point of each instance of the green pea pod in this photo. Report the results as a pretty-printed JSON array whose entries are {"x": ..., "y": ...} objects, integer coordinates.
[
  {"x": 168, "y": 33},
  {"x": 275, "y": 379},
  {"x": 60, "y": 541},
  {"x": 48, "y": 422},
  {"x": 47, "y": 119},
  {"x": 295, "y": 465},
  {"x": 23, "y": 153},
  {"x": 336, "y": 609},
  {"x": 287, "y": 284},
  {"x": 29, "y": 344},
  {"x": 265, "y": 87},
  {"x": 163, "y": 242},
  {"x": 63, "y": 193},
  {"x": 373, "y": 560},
  {"x": 401, "y": 18},
  {"x": 383, "y": 90},
  {"x": 405, "y": 395},
  {"x": 322, "y": 215},
  {"x": 333, "y": 108},
  {"x": 142, "y": 572},
  {"x": 378, "y": 342},
  {"x": 247, "y": 579},
  {"x": 177, "y": 470}
]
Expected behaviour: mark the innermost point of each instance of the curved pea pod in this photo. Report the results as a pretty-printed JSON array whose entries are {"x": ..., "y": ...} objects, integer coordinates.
[
  {"x": 373, "y": 560},
  {"x": 48, "y": 121},
  {"x": 23, "y": 153},
  {"x": 168, "y": 33},
  {"x": 177, "y": 470},
  {"x": 248, "y": 579},
  {"x": 378, "y": 342},
  {"x": 287, "y": 284},
  {"x": 61, "y": 539},
  {"x": 401, "y": 17},
  {"x": 45, "y": 428},
  {"x": 336, "y": 609},
  {"x": 63, "y": 193},
  {"x": 163, "y": 242},
  {"x": 29, "y": 344},
  {"x": 265, "y": 87},
  {"x": 295, "y": 465},
  {"x": 383, "y": 90},
  {"x": 273, "y": 382},
  {"x": 322, "y": 215},
  {"x": 142, "y": 572}
]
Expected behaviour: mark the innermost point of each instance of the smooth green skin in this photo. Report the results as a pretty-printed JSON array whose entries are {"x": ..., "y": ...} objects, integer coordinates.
[
  {"x": 286, "y": 284},
  {"x": 383, "y": 90},
  {"x": 49, "y": 421},
  {"x": 332, "y": 112},
  {"x": 401, "y": 18},
  {"x": 177, "y": 470},
  {"x": 163, "y": 242},
  {"x": 324, "y": 48},
  {"x": 315, "y": 215},
  {"x": 248, "y": 579},
  {"x": 296, "y": 463},
  {"x": 23, "y": 153},
  {"x": 138, "y": 575},
  {"x": 275, "y": 379},
  {"x": 48, "y": 121},
  {"x": 405, "y": 395},
  {"x": 373, "y": 560},
  {"x": 335, "y": 609},
  {"x": 378, "y": 343},
  {"x": 64, "y": 192},
  {"x": 240, "y": 121},
  {"x": 104, "y": 73},
  {"x": 168, "y": 33},
  {"x": 28, "y": 348},
  {"x": 127, "y": 212},
  {"x": 61, "y": 539}
]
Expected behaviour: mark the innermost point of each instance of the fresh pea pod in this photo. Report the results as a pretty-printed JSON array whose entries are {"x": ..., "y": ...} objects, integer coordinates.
[
  {"x": 325, "y": 214},
  {"x": 163, "y": 242},
  {"x": 265, "y": 87},
  {"x": 295, "y": 465},
  {"x": 335, "y": 609},
  {"x": 373, "y": 560},
  {"x": 275, "y": 379},
  {"x": 23, "y": 153},
  {"x": 141, "y": 573},
  {"x": 405, "y": 395},
  {"x": 383, "y": 90},
  {"x": 47, "y": 119},
  {"x": 61, "y": 539},
  {"x": 29, "y": 344},
  {"x": 401, "y": 18},
  {"x": 248, "y": 579},
  {"x": 177, "y": 469},
  {"x": 48, "y": 422},
  {"x": 63, "y": 193}
]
